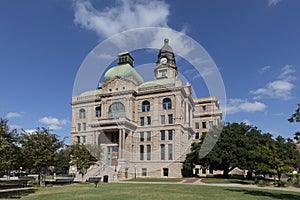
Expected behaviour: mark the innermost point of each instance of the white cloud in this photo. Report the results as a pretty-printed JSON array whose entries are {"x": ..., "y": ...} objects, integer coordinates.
[
  {"x": 30, "y": 131},
  {"x": 280, "y": 88},
  {"x": 13, "y": 115},
  {"x": 240, "y": 105},
  {"x": 273, "y": 2},
  {"x": 125, "y": 15},
  {"x": 14, "y": 126},
  {"x": 247, "y": 122},
  {"x": 265, "y": 68},
  {"x": 53, "y": 123}
]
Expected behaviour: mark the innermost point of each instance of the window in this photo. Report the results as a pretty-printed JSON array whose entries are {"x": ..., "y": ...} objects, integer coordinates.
[
  {"x": 170, "y": 134},
  {"x": 82, "y": 114},
  {"x": 197, "y": 136},
  {"x": 141, "y": 152},
  {"x": 145, "y": 106},
  {"x": 211, "y": 124},
  {"x": 78, "y": 127},
  {"x": 197, "y": 125},
  {"x": 162, "y": 135},
  {"x": 148, "y": 120},
  {"x": 203, "y": 124},
  {"x": 83, "y": 139},
  {"x": 142, "y": 121},
  {"x": 204, "y": 108},
  {"x": 162, "y": 151},
  {"x": 211, "y": 171},
  {"x": 142, "y": 136},
  {"x": 144, "y": 171},
  {"x": 98, "y": 111},
  {"x": 167, "y": 103},
  {"x": 162, "y": 119},
  {"x": 115, "y": 137},
  {"x": 78, "y": 139},
  {"x": 165, "y": 171},
  {"x": 170, "y": 152},
  {"x": 84, "y": 126},
  {"x": 148, "y": 136},
  {"x": 116, "y": 109},
  {"x": 203, "y": 171},
  {"x": 170, "y": 119},
  {"x": 148, "y": 152}
]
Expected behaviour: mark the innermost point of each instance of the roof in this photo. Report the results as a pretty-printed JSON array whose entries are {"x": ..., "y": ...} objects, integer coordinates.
[
  {"x": 123, "y": 71},
  {"x": 91, "y": 92},
  {"x": 166, "y": 47},
  {"x": 163, "y": 81}
]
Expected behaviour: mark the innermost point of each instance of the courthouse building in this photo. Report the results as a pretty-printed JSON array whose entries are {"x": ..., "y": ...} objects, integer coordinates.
[{"x": 144, "y": 128}]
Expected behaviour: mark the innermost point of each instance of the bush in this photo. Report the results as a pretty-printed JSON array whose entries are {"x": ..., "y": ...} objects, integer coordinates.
[
  {"x": 295, "y": 180},
  {"x": 263, "y": 183},
  {"x": 282, "y": 183}
]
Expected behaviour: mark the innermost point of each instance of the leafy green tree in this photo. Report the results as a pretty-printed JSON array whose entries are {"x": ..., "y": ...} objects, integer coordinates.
[
  {"x": 9, "y": 149},
  {"x": 81, "y": 157},
  {"x": 229, "y": 152},
  {"x": 296, "y": 116},
  {"x": 40, "y": 150}
]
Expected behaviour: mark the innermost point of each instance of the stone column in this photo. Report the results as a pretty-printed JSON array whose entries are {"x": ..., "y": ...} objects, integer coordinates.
[{"x": 120, "y": 144}]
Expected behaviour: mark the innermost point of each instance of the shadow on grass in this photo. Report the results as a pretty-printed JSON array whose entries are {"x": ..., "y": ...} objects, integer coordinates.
[
  {"x": 16, "y": 194},
  {"x": 273, "y": 194}
]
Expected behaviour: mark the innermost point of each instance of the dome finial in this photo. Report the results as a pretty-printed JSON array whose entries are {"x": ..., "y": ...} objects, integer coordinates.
[{"x": 166, "y": 40}]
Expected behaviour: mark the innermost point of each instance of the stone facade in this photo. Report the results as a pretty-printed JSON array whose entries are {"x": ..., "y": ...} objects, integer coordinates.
[{"x": 144, "y": 128}]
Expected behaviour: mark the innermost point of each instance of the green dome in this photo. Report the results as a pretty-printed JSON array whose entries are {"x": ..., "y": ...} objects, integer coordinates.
[
  {"x": 91, "y": 92},
  {"x": 123, "y": 71},
  {"x": 164, "y": 81}
]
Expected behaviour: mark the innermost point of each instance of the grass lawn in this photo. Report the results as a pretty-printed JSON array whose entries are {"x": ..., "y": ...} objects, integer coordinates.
[
  {"x": 129, "y": 190},
  {"x": 222, "y": 180}
]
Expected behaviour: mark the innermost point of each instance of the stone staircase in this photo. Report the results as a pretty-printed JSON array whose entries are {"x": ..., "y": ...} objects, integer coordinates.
[{"x": 100, "y": 169}]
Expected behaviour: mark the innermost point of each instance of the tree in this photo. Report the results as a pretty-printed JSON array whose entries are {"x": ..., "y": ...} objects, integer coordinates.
[
  {"x": 230, "y": 151},
  {"x": 9, "y": 149},
  {"x": 81, "y": 158},
  {"x": 296, "y": 116},
  {"x": 40, "y": 150}
]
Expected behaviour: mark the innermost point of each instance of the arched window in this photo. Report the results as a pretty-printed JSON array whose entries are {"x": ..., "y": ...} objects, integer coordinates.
[
  {"x": 167, "y": 104},
  {"x": 145, "y": 106},
  {"x": 82, "y": 114},
  {"x": 116, "y": 109},
  {"x": 98, "y": 111}
]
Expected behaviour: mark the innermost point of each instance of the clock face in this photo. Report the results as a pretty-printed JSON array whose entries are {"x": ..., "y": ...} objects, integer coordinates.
[{"x": 163, "y": 60}]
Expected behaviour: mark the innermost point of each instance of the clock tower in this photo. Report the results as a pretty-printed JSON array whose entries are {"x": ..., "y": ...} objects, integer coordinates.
[{"x": 166, "y": 64}]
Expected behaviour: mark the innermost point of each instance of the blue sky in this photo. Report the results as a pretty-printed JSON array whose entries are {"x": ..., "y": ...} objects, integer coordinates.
[{"x": 254, "y": 43}]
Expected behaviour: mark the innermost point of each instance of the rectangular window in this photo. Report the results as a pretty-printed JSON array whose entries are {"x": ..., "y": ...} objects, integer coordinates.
[
  {"x": 78, "y": 139},
  {"x": 211, "y": 124},
  {"x": 165, "y": 171},
  {"x": 78, "y": 127},
  {"x": 170, "y": 119},
  {"x": 170, "y": 134},
  {"x": 203, "y": 171},
  {"x": 170, "y": 152},
  {"x": 148, "y": 152},
  {"x": 148, "y": 136},
  {"x": 197, "y": 125},
  {"x": 144, "y": 171},
  {"x": 142, "y": 122},
  {"x": 162, "y": 119},
  {"x": 148, "y": 120},
  {"x": 162, "y": 135},
  {"x": 162, "y": 152},
  {"x": 142, "y": 136},
  {"x": 83, "y": 139},
  {"x": 141, "y": 152},
  {"x": 203, "y": 124},
  {"x": 98, "y": 111},
  {"x": 204, "y": 108},
  {"x": 84, "y": 126}
]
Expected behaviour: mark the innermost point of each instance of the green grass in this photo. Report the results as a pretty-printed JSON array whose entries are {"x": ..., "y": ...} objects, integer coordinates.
[
  {"x": 219, "y": 180},
  {"x": 115, "y": 191},
  {"x": 156, "y": 179}
]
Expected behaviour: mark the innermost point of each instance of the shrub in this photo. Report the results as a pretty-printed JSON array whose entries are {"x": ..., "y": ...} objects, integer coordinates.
[{"x": 263, "y": 183}]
